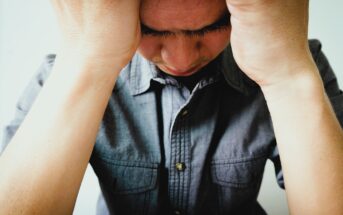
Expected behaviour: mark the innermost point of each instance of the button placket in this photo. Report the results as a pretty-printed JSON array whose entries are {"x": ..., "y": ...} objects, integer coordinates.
[{"x": 180, "y": 152}]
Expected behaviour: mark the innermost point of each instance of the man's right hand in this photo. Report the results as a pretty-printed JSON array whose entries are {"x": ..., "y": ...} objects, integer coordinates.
[{"x": 103, "y": 30}]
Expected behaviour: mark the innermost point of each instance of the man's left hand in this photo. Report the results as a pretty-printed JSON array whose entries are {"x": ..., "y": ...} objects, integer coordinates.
[{"x": 269, "y": 39}]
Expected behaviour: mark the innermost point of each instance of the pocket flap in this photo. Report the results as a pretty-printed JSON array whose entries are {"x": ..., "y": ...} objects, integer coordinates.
[
  {"x": 238, "y": 174},
  {"x": 126, "y": 177}
]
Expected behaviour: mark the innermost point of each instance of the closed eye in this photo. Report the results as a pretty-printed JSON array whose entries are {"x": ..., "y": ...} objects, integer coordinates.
[
  {"x": 203, "y": 32},
  {"x": 150, "y": 32},
  {"x": 221, "y": 24}
]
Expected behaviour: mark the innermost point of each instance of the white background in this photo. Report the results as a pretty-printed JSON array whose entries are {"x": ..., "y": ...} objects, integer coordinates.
[{"x": 28, "y": 32}]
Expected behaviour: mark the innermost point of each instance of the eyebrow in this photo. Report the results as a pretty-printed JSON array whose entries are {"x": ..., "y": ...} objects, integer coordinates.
[{"x": 222, "y": 21}]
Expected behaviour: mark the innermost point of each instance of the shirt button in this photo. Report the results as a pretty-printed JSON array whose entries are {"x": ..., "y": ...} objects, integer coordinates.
[
  {"x": 185, "y": 112},
  {"x": 180, "y": 166},
  {"x": 177, "y": 212}
]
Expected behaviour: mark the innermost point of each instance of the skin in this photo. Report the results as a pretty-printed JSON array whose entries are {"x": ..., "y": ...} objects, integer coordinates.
[
  {"x": 180, "y": 54},
  {"x": 43, "y": 150}
]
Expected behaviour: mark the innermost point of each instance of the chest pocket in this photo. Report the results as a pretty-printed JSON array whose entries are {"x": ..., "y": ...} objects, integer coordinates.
[
  {"x": 129, "y": 187},
  {"x": 237, "y": 183}
]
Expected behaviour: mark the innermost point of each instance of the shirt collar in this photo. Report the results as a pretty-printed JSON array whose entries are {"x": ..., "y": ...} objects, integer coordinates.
[{"x": 143, "y": 72}]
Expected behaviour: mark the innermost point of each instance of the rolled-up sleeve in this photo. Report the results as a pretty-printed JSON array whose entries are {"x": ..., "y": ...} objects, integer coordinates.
[{"x": 26, "y": 100}]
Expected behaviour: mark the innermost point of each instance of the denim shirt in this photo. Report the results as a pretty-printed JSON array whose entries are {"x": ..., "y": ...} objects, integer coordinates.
[{"x": 162, "y": 149}]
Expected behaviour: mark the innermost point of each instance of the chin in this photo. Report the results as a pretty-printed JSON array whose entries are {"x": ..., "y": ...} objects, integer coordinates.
[{"x": 181, "y": 73}]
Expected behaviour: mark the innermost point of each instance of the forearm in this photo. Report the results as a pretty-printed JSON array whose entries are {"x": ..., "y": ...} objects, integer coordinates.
[
  {"x": 43, "y": 166},
  {"x": 310, "y": 142}
]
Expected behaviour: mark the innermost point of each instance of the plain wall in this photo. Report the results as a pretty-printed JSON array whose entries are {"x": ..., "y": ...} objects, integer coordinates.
[{"x": 28, "y": 32}]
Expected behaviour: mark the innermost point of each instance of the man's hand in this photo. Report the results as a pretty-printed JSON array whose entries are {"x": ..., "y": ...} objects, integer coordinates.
[
  {"x": 269, "y": 42},
  {"x": 106, "y": 30},
  {"x": 269, "y": 38},
  {"x": 99, "y": 37}
]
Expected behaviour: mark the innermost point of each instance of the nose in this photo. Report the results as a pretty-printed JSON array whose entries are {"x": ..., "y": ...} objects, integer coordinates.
[{"x": 181, "y": 52}]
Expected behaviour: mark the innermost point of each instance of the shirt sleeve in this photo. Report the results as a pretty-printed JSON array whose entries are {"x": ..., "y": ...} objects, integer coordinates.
[
  {"x": 26, "y": 100},
  {"x": 333, "y": 92},
  {"x": 330, "y": 81}
]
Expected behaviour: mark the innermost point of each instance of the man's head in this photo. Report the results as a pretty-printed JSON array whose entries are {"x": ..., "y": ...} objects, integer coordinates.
[{"x": 182, "y": 36}]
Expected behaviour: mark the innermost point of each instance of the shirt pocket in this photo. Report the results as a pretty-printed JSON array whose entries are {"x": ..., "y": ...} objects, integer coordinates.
[
  {"x": 237, "y": 183},
  {"x": 128, "y": 187}
]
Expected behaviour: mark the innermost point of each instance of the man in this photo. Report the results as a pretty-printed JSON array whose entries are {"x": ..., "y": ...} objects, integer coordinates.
[{"x": 177, "y": 127}]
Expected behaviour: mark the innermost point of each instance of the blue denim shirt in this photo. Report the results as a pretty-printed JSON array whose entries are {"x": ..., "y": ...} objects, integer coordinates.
[{"x": 162, "y": 149}]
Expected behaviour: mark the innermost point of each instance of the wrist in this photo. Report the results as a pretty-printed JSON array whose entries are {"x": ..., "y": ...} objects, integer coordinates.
[
  {"x": 78, "y": 62},
  {"x": 84, "y": 54},
  {"x": 71, "y": 70},
  {"x": 305, "y": 85}
]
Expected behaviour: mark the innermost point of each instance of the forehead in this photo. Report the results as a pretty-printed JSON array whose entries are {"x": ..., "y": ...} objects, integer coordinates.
[{"x": 181, "y": 14}]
